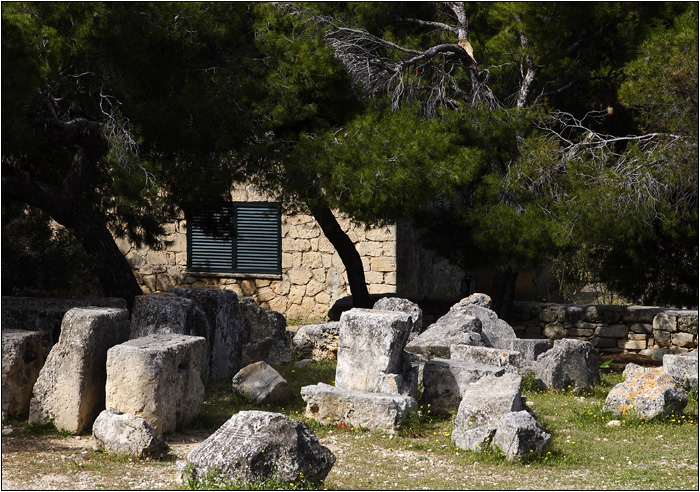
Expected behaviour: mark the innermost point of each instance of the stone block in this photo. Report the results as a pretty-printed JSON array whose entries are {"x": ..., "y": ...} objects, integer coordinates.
[
  {"x": 639, "y": 314},
  {"x": 318, "y": 341},
  {"x": 125, "y": 434},
  {"x": 681, "y": 339},
  {"x": 662, "y": 338},
  {"x": 406, "y": 306},
  {"x": 70, "y": 389},
  {"x": 159, "y": 378},
  {"x": 268, "y": 338},
  {"x": 494, "y": 331},
  {"x": 632, "y": 344},
  {"x": 226, "y": 330},
  {"x": 529, "y": 348},
  {"x": 518, "y": 436},
  {"x": 570, "y": 365},
  {"x": 22, "y": 360},
  {"x": 642, "y": 328},
  {"x": 684, "y": 367},
  {"x": 554, "y": 331},
  {"x": 454, "y": 327},
  {"x": 647, "y": 394},
  {"x": 611, "y": 331},
  {"x": 370, "y": 352},
  {"x": 509, "y": 360},
  {"x": 259, "y": 383},
  {"x": 167, "y": 313},
  {"x": 331, "y": 405},
  {"x": 688, "y": 323},
  {"x": 445, "y": 381},
  {"x": 253, "y": 446}
]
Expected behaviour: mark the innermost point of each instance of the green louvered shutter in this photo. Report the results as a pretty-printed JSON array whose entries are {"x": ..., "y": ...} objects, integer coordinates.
[
  {"x": 258, "y": 242},
  {"x": 256, "y": 246}
]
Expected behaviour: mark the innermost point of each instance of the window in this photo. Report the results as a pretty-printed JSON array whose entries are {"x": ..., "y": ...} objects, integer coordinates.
[{"x": 255, "y": 245}]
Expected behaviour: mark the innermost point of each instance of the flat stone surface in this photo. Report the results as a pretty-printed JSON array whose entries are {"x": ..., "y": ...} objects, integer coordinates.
[{"x": 507, "y": 359}]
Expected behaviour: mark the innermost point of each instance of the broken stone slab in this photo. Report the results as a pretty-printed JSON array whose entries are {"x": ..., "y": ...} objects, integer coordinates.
[
  {"x": 317, "y": 341},
  {"x": 518, "y": 435},
  {"x": 70, "y": 389},
  {"x": 482, "y": 405},
  {"x": 529, "y": 348},
  {"x": 159, "y": 378},
  {"x": 254, "y": 446},
  {"x": 226, "y": 330},
  {"x": 406, "y": 306},
  {"x": 647, "y": 394},
  {"x": 370, "y": 353},
  {"x": 259, "y": 383},
  {"x": 570, "y": 365},
  {"x": 22, "y": 360},
  {"x": 125, "y": 434},
  {"x": 684, "y": 367},
  {"x": 270, "y": 350},
  {"x": 454, "y": 327},
  {"x": 445, "y": 381},
  {"x": 494, "y": 331},
  {"x": 330, "y": 405},
  {"x": 507, "y": 359},
  {"x": 477, "y": 299}
]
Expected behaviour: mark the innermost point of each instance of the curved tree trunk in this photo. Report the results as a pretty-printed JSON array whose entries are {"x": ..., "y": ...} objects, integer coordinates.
[{"x": 346, "y": 250}]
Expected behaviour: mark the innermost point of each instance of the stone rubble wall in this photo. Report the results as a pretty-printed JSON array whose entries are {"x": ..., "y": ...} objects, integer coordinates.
[
  {"x": 650, "y": 331},
  {"x": 313, "y": 276}
]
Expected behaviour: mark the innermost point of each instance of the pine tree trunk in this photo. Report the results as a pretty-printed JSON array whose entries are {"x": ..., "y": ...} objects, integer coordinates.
[
  {"x": 503, "y": 293},
  {"x": 346, "y": 250}
]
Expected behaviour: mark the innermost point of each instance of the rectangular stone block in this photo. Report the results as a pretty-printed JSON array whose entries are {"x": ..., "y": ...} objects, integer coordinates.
[
  {"x": 22, "y": 359},
  {"x": 70, "y": 389},
  {"x": 632, "y": 344},
  {"x": 681, "y": 339},
  {"x": 158, "y": 378},
  {"x": 612, "y": 331},
  {"x": 508, "y": 359},
  {"x": 330, "y": 405}
]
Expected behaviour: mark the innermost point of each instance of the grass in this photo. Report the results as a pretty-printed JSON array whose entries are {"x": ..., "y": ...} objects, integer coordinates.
[{"x": 585, "y": 454}]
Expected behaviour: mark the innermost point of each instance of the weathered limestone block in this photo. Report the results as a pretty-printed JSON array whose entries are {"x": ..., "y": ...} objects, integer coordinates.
[
  {"x": 159, "y": 378},
  {"x": 476, "y": 299},
  {"x": 445, "y": 381},
  {"x": 529, "y": 348},
  {"x": 483, "y": 404},
  {"x": 122, "y": 433},
  {"x": 22, "y": 359},
  {"x": 167, "y": 313},
  {"x": 70, "y": 389},
  {"x": 684, "y": 367},
  {"x": 454, "y": 327},
  {"x": 507, "y": 359},
  {"x": 554, "y": 331},
  {"x": 406, "y": 306},
  {"x": 267, "y": 334},
  {"x": 226, "y": 331},
  {"x": 570, "y": 365},
  {"x": 370, "y": 353},
  {"x": 633, "y": 368},
  {"x": 260, "y": 383},
  {"x": 254, "y": 446},
  {"x": 318, "y": 341},
  {"x": 518, "y": 435},
  {"x": 331, "y": 405},
  {"x": 494, "y": 331},
  {"x": 647, "y": 394}
]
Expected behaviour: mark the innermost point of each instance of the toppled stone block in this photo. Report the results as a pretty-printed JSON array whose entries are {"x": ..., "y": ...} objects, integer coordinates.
[
  {"x": 453, "y": 328},
  {"x": 684, "y": 367},
  {"x": 226, "y": 331},
  {"x": 647, "y": 394},
  {"x": 159, "y": 378},
  {"x": 70, "y": 389},
  {"x": 167, "y": 313},
  {"x": 406, "y": 306},
  {"x": 518, "y": 435},
  {"x": 254, "y": 446},
  {"x": 318, "y": 341},
  {"x": 494, "y": 331},
  {"x": 445, "y": 381},
  {"x": 122, "y": 433},
  {"x": 260, "y": 383},
  {"x": 483, "y": 403},
  {"x": 330, "y": 405},
  {"x": 267, "y": 334},
  {"x": 507, "y": 359},
  {"x": 22, "y": 360},
  {"x": 370, "y": 353},
  {"x": 570, "y": 365},
  {"x": 529, "y": 348}
]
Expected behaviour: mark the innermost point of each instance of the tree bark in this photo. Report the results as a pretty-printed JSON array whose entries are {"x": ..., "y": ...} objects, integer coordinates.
[
  {"x": 114, "y": 272},
  {"x": 503, "y": 293},
  {"x": 346, "y": 250}
]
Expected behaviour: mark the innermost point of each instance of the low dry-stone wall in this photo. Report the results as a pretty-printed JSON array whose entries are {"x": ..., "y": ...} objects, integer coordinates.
[{"x": 650, "y": 331}]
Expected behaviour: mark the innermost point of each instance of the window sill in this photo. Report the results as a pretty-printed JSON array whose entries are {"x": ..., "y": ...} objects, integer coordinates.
[{"x": 261, "y": 276}]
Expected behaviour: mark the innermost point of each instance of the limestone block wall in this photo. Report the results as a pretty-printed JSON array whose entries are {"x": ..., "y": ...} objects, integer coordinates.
[
  {"x": 650, "y": 331},
  {"x": 313, "y": 276}
]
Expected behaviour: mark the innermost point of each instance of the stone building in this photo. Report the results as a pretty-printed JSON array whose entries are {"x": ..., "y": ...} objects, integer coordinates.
[{"x": 286, "y": 263}]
